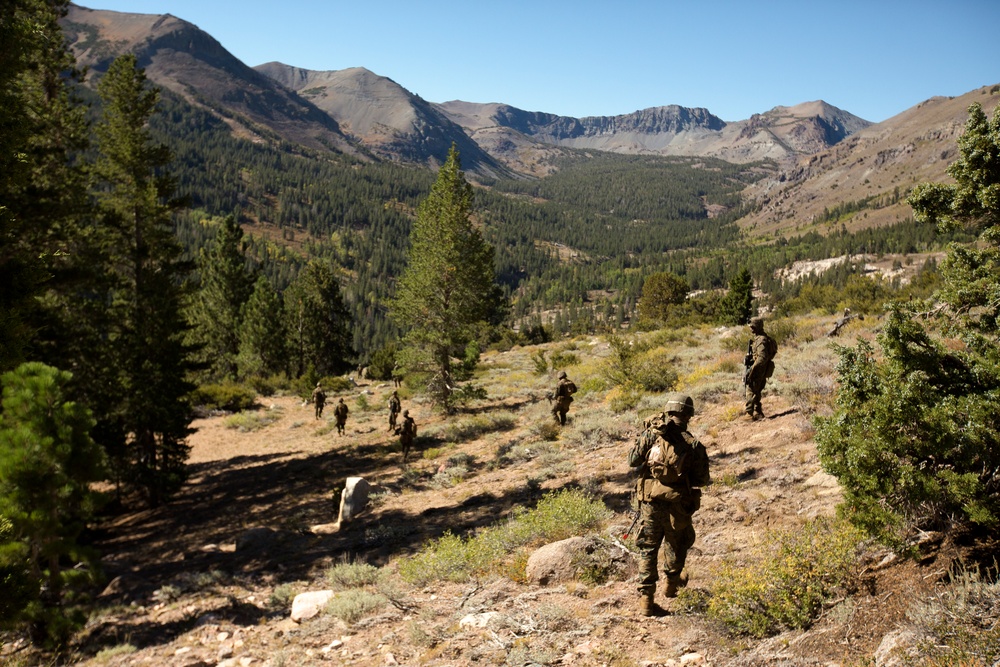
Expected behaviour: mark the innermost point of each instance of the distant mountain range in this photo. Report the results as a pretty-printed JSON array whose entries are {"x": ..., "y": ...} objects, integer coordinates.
[{"x": 826, "y": 153}]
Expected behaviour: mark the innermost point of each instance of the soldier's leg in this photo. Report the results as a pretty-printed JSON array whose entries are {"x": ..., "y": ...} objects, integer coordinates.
[
  {"x": 678, "y": 538},
  {"x": 647, "y": 542}
]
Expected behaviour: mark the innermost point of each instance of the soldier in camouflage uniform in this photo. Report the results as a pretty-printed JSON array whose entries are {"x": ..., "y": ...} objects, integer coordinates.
[
  {"x": 563, "y": 396},
  {"x": 319, "y": 400},
  {"x": 394, "y": 407},
  {"x": 673, "y": 464},
  {"x": 761, "y": 355},
  {"x": 340, "y": 412},
  {"x": 407, "y": 433}
]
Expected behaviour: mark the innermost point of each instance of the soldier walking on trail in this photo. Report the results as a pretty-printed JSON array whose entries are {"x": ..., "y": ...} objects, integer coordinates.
[
  {"x": 563, "y": 396},
  {"x": 759, "y": 367},
  {"x": 673, "y": 464},
  {"x": 340, "y": 412},
  {"x": 394, "y": 407},
  {"x": 319, "y": 400},
  {"x": 407, "y": 433}
]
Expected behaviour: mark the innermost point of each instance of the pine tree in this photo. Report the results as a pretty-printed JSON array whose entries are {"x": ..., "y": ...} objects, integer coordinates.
[
  {"x": 447, "y": 293},
  {"x": 216, "y": 314},
  {"x": 737, "y": 305},
  {"x": 660, "y": 291},
  {"x": 913, "y": 440},
  {"x": 263, "y": 337},
  {"x": 318, "y": 322},
  {"x": 48, "y": 462},
  {"x": 42, "y": 189},
  {"x": 147, "y": 293}
]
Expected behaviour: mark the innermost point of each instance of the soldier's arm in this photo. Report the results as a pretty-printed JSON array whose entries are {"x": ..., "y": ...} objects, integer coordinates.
[
  {"x": 700, "y": 474},
  {"x": 640, "y": 450}
]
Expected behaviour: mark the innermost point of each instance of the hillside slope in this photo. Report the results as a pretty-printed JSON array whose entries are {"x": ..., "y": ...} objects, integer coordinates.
[
  {"x": 382, "y": 116},
  {"x": 874, "y": 168},
  {"x": 180, "y": 57},
  {"x": 779, "y": 134},
  {"x": 208, "y": 579}
]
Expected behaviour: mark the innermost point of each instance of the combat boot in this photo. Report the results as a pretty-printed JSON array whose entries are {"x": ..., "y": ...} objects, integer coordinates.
[
  {"x": 674, "y": 583},
  {"x": 647, "y": 607}
]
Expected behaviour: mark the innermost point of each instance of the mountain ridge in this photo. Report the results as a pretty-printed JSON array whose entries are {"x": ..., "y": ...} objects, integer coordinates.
[
  {"x": 398, "y": 124},
  {"x": 825, "y": 156}
]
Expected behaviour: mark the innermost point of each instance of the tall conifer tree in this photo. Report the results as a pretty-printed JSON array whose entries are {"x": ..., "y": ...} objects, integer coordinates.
[
  {"x": 147, "y": 286},
  {"x": 263, "y": 349},
  {"x": 226, "y": 284},
  {"x": 317, "y": 321},
  {"x": 737, "y": 305},
  {"x": 42, "y": 189},
  {"x": 448, "y": 292}
]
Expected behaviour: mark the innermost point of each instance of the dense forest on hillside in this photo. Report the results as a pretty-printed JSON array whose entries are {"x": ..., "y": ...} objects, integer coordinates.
[{"x": 572, "y": 250}]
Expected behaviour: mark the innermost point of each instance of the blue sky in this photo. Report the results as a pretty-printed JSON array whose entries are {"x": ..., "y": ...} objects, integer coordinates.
[{"x": 874, "y": 59}]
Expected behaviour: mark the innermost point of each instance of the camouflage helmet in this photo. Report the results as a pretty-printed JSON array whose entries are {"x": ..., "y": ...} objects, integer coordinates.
[
  {"x": 680, "y": 404},
  {"x": 757, "y": 323},
  {"x": 561, "y": 375},
  {"x": 406, "y": 413}
]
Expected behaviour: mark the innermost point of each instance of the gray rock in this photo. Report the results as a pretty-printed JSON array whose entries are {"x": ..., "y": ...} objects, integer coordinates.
[
  {"x": 353, "y": 499},
  {"x": 566, "y": 559},
  {"x": 897, "y": 648},
  {"x": 307, "y": 605}
]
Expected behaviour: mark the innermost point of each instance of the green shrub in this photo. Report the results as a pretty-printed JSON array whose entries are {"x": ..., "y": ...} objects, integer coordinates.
[
  {"x": 563, "y": 359},
  {"x": 252, "y": 421},
  {"x": 500, "y": 548},
  {"x": 913, "y": 438},
  {"x": 282, "y": 596},
  {"x": 229, "y": 396},
  {"x": 654, "y": 371},
  {"x": 354, "y": 604},
  {"x": 106, "y": 655},
  {"x": 541, "y": 363},
  {"x": 624, "y": 397},
  {"x": 961, "y": 625},
  {"x": 476, "y": 426},
  {"x": 268, "y": 386},
  {"x": 352, "y": 575},
  {"x": 784, "y": 584},
  {"x": 546, "y": 430}
]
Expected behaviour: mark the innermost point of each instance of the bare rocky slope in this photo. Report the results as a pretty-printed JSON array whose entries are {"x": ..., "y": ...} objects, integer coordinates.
[
  {"x": 180, "y": 57},
  {"x": 879, "y": 163},
  {"x": 384, "y": 117},
  {"x": 208, "y": 579}
]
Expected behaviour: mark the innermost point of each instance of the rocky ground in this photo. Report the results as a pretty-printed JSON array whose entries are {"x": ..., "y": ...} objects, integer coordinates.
[{"x": 209, "y": 579}]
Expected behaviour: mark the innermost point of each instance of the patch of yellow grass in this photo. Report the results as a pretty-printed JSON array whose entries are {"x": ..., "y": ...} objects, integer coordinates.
[{"x": 731, "y": 413}]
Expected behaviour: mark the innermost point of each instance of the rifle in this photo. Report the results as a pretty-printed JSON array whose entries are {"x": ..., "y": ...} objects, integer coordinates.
[
  {"x": 635, "y": 520},
  {"x": 634, "y": 513},
  {"x": 748, "y": 362}
]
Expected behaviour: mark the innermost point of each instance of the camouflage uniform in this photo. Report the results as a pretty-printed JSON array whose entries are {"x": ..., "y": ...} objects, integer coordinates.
[
  {"x": 665, "y": 510},
  {"x": 394, "y": 407},
  {"x": 340, "y": 412},
  {"x": 762, "y": 350},
  {"x": 319, "y": 400},
  {"x": 563, "y": 396},
  {"x": 407, "y": 433}
]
